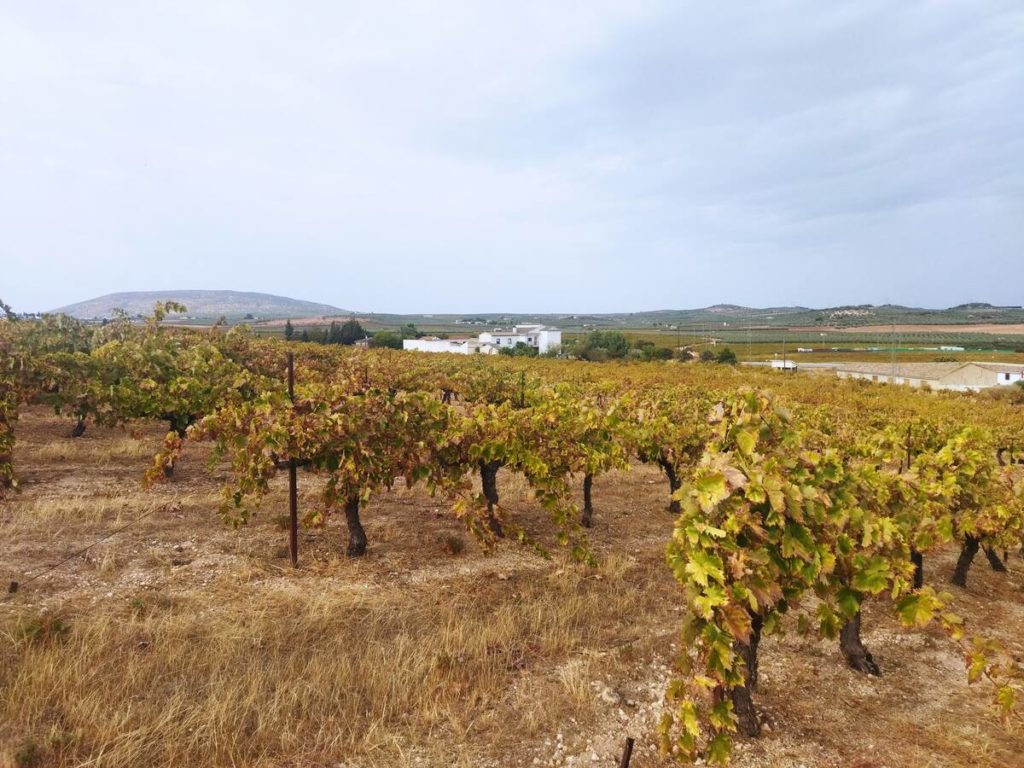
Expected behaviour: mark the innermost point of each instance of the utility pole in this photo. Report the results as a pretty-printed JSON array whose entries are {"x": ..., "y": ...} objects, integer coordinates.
[
  {"x": 892, "y": 344},
  {"x": 748, "y": 334}
]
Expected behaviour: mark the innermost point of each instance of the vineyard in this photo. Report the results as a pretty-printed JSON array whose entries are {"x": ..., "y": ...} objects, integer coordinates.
[{"x": 230, "y": 550}]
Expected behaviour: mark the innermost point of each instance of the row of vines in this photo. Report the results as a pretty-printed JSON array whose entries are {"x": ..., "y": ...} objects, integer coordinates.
[{"x": 795, "y": 500}]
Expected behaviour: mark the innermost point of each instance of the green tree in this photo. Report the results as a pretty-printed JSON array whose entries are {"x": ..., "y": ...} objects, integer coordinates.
[
  {"x": 351, "y": 332},
  {"x": 604, "y": 345},
  {"x": 289, "y": 330},
  {"x": 648, "y": 350},
  {"x": 386, "y": 340},
  {"x": 726, "y": 356}
]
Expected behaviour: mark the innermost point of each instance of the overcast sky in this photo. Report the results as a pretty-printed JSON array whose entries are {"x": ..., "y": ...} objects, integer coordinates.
[{"x": 526, "y": 156}]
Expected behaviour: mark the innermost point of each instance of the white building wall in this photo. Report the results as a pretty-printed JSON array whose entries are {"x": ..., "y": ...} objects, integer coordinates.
[
  {"x": 537, "y": 336},
  {"x": 456, "y": 347},
  {"x": 492, "y": 342},
  {"x": 548, "y": 339},
  {"x": 884, "y": 378}
]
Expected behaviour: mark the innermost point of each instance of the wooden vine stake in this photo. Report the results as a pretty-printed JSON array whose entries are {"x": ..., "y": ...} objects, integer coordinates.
[
  {"x": 627, "y": 753},
  {"x": 293, "y": 491}
]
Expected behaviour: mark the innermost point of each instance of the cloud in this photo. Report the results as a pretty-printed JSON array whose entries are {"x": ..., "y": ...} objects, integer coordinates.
[{"x": 529, "y": 156}]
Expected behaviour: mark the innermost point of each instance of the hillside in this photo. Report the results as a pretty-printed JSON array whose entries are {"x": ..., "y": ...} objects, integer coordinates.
[
  {"x": 202, "y": 305},
  {"x": 721, "y": 316},
  {"x": 237, "y": 305}
]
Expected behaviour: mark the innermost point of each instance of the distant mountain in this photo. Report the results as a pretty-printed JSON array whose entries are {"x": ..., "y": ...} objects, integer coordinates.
[
  {"x": 236, "y": 306},
  {"x": 202, "y": 305},
  {"x": 982, "y": 305}
]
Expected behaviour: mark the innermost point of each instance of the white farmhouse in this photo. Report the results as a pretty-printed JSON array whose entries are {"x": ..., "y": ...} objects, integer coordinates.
[
  {"x": 961, "y": 377},
  {"x": 455, "y": 346},
  {"x": 540, "y": 337}
]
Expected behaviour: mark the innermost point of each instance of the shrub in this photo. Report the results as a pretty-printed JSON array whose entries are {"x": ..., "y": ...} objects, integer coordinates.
[
  {"x": 519, "y": 350},
  {"x": 555, "y": 351},
  {"x": 43, "y": 630},
  {"x": 726, "y": 357},
  {"x": 386, "y": 340},
  {"x": 604, "y": 345},
  {"x": 454, "y": 545},
  {"x": 29, "y": 755}
]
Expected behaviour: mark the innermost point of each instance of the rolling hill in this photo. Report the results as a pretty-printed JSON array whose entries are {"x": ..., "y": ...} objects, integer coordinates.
[
  {"x": 202, "y": 305},
  {"x": 206, "y": 306}
]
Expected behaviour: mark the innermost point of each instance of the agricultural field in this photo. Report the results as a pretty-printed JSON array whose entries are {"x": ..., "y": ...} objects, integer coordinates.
[
  {"x": 450, "y": 606},
  {"x": 907, "y": 343},
  {"x": 183, "y": 641},
  {"x": 837, "y": 334},
  {"x": 372, "y": 393}
]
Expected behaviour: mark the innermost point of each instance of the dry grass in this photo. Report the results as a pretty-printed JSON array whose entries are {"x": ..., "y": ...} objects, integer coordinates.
[
  {"x": 79, "y": 508},
  {"x": 271, "y": 676},
  {"x": 100, "y": 451},
  {"x": 181, "y": 641}
]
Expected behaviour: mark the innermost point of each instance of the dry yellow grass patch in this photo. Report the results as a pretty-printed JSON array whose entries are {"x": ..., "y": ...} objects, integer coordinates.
[
  {"x": 102, "y": 451},
  {"x": 78, "y": 508},
  {"x": 267, "y": 676}
]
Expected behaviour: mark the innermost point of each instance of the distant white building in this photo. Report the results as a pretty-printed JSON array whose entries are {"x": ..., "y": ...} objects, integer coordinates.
[
  {"x": 784, "y": 365},
  {"x": 961, "y": 377},
  {"x": 454, "y": 346},
  {"x": 540, "y": 337}
]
